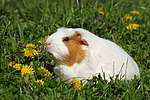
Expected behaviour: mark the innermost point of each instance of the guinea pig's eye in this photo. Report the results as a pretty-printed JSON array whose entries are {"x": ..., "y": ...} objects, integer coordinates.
[{"x": 66, "y": 39}]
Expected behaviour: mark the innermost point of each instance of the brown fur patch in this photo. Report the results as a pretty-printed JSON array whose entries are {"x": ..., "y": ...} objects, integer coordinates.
[{"x": 76, "y": 53}]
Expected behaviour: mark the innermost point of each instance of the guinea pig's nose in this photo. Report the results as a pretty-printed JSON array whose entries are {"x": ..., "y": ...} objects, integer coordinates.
[{"x": 48, "y": 44}]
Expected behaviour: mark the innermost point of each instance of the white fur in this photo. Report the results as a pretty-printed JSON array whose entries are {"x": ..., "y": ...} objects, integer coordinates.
[{"x": 102, "y": 56}]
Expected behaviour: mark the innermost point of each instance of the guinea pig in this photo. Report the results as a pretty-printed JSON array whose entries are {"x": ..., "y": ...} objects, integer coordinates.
[{"x": 78, "y": 53}]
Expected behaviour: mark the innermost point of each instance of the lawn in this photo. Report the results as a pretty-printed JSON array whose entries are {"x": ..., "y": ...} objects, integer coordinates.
[{"x": 26, "y": 70}]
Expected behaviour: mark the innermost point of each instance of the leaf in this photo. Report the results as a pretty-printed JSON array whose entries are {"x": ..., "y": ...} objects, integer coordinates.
[{"x": 26, "y": 78}]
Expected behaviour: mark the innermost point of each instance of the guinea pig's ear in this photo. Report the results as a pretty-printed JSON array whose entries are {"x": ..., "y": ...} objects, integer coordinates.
[{"x": 82, "y": 41}]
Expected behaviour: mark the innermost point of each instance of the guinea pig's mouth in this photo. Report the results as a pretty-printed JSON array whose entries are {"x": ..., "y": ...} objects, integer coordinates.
[{"x": 51, "y": 54}]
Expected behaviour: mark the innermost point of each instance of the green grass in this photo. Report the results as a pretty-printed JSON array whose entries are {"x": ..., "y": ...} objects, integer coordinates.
[{"x": 28, "y": 21}]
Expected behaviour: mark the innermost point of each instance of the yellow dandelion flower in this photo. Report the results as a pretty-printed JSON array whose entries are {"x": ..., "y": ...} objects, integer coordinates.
[
  {"x": 46, "y": 38},
  {"x": 31, "y": 83},
  {"x": 40, "y": 41},
  {"x": 135, "y": 12},
  {"x": 47, "y": 73},
  {"x": 30, "y": 45},
  {"x": 41, "y": 68},
  {"x": 40, "y": 82},
  {"x": 30, "y": 52},
  {"x": 135, "y": 26},
  {"x": 38, "y": 50},
  {"x": 128, "y": 17},
  {"x": 27, "y": 70},
  {"x": 129, "y": 27},
  {"x": 132, "y": 26},
  {"x": 100, "y": 10},
  {"x": 11, "y": 64},
  {"x": 77, "y": 84},
  {"x": 74, "y": 80},
  {"x": 17, "y": 66},
  {"x": 43, "y": 40}
]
